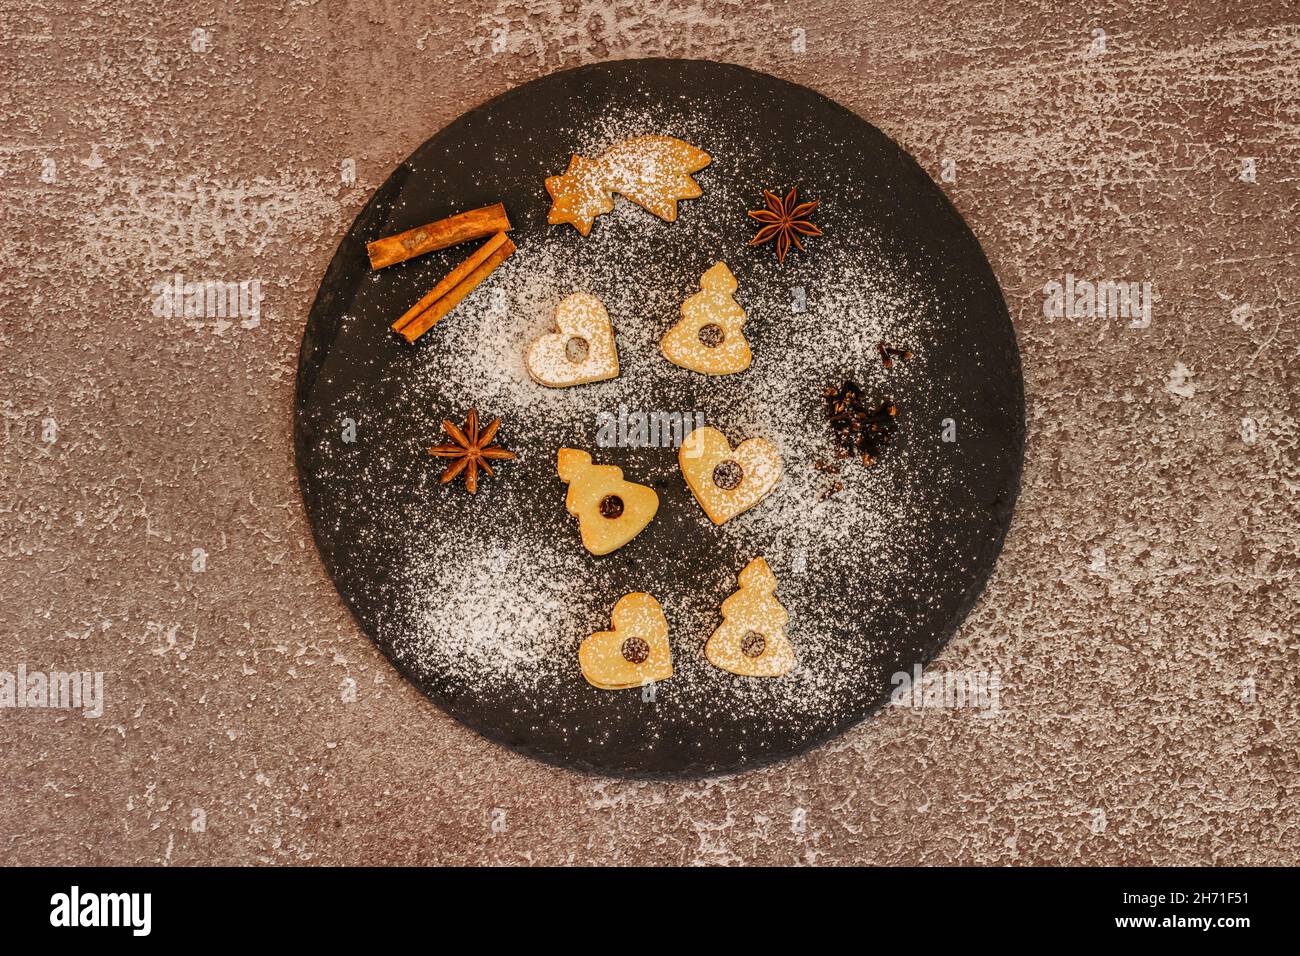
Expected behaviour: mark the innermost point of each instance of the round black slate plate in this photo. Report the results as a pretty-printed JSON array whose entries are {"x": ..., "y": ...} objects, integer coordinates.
[{"x": 372, "y": 499}]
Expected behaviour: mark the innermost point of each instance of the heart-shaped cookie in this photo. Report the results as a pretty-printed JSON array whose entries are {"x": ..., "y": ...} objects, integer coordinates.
[
  {"x": 581, "y": 351},
  {"x": 751, "y": 639},
  {"x": 636, "y": 652},
  {"x": 610, "y": 511},
  {"x": 727, "y": 481},
  {"x": 710, "y": 336}
]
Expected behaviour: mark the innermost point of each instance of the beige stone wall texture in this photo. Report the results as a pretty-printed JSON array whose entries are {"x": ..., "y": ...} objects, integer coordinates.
[{"x": 1143, "y": 614}]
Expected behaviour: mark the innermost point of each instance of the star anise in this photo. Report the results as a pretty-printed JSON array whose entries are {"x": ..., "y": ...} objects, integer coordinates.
[
  {"x": 470, "y": 450},
  {"x": 785, "y": 221}
]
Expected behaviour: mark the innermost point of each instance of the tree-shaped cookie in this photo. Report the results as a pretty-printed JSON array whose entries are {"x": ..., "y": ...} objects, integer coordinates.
[
  {"x": 610, "y": 511},
  {"x": 710, "y": 336},
  {"x": 751, "y": 639},
  {"x": 635, "y": 652},
  {"x": 581, "y": 351}
]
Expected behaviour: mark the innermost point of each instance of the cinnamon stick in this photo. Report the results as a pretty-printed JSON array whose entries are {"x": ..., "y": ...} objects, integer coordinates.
[
  {"x": 462, "y": 227},
  {"x": 457, "y": 284},
  {"x": 452, "y": 279}
]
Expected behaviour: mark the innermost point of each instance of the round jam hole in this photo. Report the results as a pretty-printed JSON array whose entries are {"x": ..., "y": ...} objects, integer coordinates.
[
  {"x": 611, "y": 506},
  {"x": 575, "y": 350},
  {"x": 728, "y": 475},
  {"x": 635, "y": 650},
  {"x": 753, "y": 644},
  {"x": 711, "y": 335}
]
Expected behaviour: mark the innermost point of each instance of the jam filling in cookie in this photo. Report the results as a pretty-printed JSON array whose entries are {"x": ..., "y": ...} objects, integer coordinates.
[
  {"x": 711, "y": 335},
  {"x": 635, "y": 650},
  {"x": 728, "y": 475}
]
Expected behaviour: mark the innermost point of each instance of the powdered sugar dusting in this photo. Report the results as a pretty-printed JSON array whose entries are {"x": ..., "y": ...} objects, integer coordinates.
[
  {"x": 506, "y": 614},
  {"x": 527, "y": 624},
  {"x": 492, "y": 596}
]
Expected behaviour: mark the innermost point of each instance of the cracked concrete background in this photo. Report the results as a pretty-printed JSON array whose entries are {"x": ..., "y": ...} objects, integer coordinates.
[{"x": 1143, "y": 615}]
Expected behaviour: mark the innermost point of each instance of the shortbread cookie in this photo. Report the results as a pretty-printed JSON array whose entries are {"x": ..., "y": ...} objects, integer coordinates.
[
  {"x": 636, "y": 652},
  {"x": 610, "y": 511},
  {"x": 727, "y": 481},
  {"x": 580, "y": 195},
  {"x": 751, "y": 639},
  {"x": 652, "y": 171},
  {"x": 581, "y": 351},
  {"x": 710, "y": 335}
]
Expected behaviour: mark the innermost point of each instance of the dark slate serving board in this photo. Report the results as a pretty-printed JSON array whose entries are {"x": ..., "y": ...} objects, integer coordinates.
[{"x": 350, "y": 367}]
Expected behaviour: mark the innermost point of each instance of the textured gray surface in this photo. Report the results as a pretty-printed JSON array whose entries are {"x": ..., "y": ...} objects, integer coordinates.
[{"x": 1150, "y": 571}]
